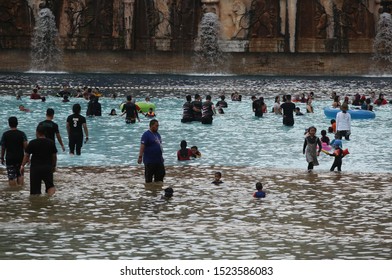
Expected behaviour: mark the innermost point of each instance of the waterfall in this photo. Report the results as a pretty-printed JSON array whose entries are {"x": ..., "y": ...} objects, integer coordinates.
[
  {"x": 209, "y": 54},
  {"x": 45, "y": 53},
  {"x": 383, "y": 40}
]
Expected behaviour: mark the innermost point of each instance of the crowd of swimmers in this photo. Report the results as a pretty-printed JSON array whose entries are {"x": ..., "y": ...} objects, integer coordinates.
[{"x": 197, "y": 110}]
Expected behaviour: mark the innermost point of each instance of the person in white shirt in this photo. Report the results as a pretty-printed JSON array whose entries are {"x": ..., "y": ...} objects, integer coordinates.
[{"x": 343, "y": 123}]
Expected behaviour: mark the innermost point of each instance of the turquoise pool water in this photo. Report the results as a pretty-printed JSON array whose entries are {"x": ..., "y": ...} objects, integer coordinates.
[
  {"x": 103, "y": 210},
  {"x": 236, "y": 138}
]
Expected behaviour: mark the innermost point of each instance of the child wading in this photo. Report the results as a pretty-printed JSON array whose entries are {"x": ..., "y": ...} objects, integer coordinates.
[
  {"x": 339, "y": 155},
  {"x": 310, "y": 148}
]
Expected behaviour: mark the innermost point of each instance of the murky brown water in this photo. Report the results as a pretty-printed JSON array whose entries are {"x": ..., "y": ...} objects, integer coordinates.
[{"x": 100, "y": 213}]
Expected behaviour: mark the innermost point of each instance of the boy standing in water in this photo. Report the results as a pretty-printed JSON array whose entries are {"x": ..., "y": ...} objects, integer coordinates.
[
  {"x": 288, "y": 108},
  {"x": 338, "y": 154},
  {"x": 218, "y": 177},
  {"x": 259, "y": 193}
]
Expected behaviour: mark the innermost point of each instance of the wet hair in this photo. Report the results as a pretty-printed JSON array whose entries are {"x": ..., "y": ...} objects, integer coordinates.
[
  {"x": 276, "y": 98},
  {"x": 12, "y": 121},
  {"x": 259, "y": 186},
  {"x": 50, "y": 112},
  {"x": 35, "y": 90},
  {"x": 312, "y": 127},
  {"x": 219, "y": 174},
  {"x": 288, "y": 97},
  {"x": 40, "y": 129},
  {"x": 129, "y": 97},
  {"x": 297, "y": 109},
  {"x": 76, "y": 108},
  {"x": 188, "y": 98},
  {"x": 152, "y": 122},
  {"x": 323, "y": 132},
  {"x": 222, "y": 97},
  {"x": 197, "y": 96},
  {"x": 208, "y": 97},
  {"x": 333, "y": 121},
  {"x": 184, "y": 150},
  {"x": 169, "y": 192}
]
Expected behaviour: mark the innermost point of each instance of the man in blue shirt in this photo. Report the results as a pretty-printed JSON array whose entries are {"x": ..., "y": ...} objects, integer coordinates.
[{"x": 151, "y": 154}]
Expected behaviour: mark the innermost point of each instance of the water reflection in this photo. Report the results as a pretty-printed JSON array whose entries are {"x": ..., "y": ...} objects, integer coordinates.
[{"x": 109, "y": 213}]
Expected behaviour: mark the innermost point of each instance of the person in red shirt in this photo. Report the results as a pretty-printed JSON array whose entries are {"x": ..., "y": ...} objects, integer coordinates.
[
  {"x": 35, "y": 95},
  {"x": 184, "y": 153}
]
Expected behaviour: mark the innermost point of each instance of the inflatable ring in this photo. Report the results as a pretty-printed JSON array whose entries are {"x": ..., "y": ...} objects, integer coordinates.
[
  {"x": 325, "y": 147},
  {"x": 355, "y": 114},
  {"x": 145, "y": 106}
]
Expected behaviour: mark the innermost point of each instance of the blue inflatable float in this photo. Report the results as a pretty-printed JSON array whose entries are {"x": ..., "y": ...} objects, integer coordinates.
[{"x": 355, "y": 113}]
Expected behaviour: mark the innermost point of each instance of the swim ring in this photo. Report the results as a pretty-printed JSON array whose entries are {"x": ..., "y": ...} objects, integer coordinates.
[
  {"x": 355, "y": 114},
  {"x": 325, "y": 146},
  {"x": 145, "y": 106}
]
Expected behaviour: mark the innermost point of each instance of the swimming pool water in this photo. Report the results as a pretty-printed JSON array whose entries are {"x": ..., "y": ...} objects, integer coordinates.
[{"x": 235, "y": 138}]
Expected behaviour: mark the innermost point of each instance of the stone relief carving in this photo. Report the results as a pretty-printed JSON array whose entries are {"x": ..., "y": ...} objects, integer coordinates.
[
  {"x": 183, "y": 13},
  {"x": 239, "y": 17},
  {"x": 15, "y": 17},
  {"x": 163, "y": 28},
  {"x": 324, "y": 18},
  {"x": 335, "y": 17},
  {"x": 352, "y": 16},
  {"x": 262, "y": 18},
  {"x": 75, "y": 11}
]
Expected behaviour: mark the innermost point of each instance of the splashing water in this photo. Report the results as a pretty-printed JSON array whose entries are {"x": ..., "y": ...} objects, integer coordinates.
[
  {"x": 209, "y": 54},
  {"x": 383, "y": 39},
  {"x": 45, "y": 54}
]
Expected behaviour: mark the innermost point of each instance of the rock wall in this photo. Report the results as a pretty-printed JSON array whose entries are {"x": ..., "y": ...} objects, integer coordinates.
[
  {"x": 282, "y": 37},
  {"x": 296, "y": 26},
  {"x": 325, "y": 64}
]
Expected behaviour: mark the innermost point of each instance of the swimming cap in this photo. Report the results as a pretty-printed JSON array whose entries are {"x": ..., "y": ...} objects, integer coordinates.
[{"x": 337, "y": 143}]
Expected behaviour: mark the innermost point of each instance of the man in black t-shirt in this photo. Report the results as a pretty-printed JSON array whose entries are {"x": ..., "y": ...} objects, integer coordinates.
[
  {"x": 43, "y": 154},
  {"x": 51, "y": 128},
  {"x": 197, "y": 108},
  {"x": 187, "y": 110},
  {"x": 76, "y": 124},
  {"x": 13, "y": 145},
  {"x": 288, "y": 108},
  {"x": 130, "y": 110}
]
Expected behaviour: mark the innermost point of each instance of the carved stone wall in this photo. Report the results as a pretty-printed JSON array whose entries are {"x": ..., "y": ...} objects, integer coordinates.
[{"x": 331, "y": 26}]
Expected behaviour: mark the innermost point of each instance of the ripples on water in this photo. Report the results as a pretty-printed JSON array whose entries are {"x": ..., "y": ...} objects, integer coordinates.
[
  {"x": 115, "y": 216},
  {"x": 107, "y": 212}
]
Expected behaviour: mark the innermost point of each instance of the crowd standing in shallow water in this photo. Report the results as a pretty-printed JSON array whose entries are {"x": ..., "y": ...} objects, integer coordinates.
[{"x": 203, "y": 112}]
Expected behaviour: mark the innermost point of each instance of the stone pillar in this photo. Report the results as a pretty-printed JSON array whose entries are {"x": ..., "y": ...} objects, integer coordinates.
[
  {"x": 211, "y": 6},
  {"x": 129, "y": 9},
  {"x": 292, "y": 18}
]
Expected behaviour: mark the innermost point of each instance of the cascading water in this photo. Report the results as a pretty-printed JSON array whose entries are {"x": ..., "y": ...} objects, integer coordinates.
[
  {"x": 209, "y": 55},
  {"x": 45, "y": 53},
  {"x": 383, "y": 40}
]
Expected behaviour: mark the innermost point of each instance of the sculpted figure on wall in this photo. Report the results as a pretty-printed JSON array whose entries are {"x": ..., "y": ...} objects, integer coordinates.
[
  {"x": 239, "y": 17},
  {"x": 163, "y": 28},
  {"x": 262, "y": 18},
  {"x": 336, "y": 17},
  {"x": 325, "y": 19},
  {"x": 352, "y": 15},
  {"x": 183, "y": 19},
  {"x": 75, "y": 11},
  {"x": 15, "y": 17}
]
